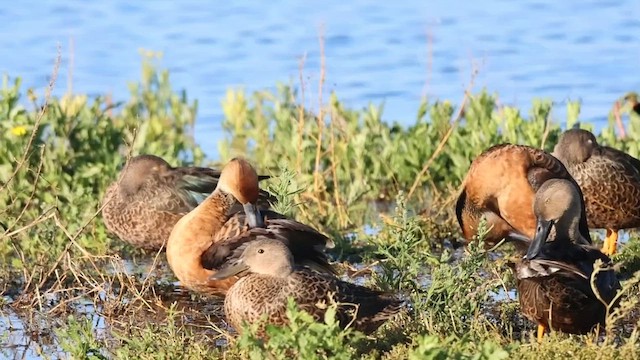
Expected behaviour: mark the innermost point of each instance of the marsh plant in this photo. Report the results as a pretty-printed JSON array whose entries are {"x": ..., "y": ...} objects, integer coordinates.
[
  {"x": 302, "y": 338},
  {"x": 384, "y": 192}
]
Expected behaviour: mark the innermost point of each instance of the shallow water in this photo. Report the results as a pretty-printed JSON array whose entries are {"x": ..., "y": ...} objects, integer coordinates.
[
  {"x": 376, "y": 52},
  {"x": 29, "y": 333}
]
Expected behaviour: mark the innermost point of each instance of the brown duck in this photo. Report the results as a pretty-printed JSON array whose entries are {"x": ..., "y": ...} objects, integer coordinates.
[
  {"x": 150, "y": 196},
  {"x": 500, "y": 186},
  {"x": 272, "y": 278},
  {"x": 208, "y": 237},
  {"x": 553, "y": 279},
  {"x": 609, "y": 179}
]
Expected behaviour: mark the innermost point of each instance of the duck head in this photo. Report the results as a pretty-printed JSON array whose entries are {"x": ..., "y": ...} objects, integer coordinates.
[
  {"x": 239, "y": 180},
  {"x": 266, "y": 257},
  {"x": 138, "y": 169},
  {"x": 575, "y": 146},
  {"x": 556, "y": 205}
]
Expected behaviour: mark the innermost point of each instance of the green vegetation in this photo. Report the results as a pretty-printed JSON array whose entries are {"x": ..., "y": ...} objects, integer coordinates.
[{"x": 338, "y": 169}]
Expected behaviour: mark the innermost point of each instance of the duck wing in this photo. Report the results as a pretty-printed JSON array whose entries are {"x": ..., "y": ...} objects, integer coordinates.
[{"x": 306, "y": 244}]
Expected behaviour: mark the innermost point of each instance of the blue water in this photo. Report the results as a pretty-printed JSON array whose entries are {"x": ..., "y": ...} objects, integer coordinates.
[{"x": 392, "y": 52}]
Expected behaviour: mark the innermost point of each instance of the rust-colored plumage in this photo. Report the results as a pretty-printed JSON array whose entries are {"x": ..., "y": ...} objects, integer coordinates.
[
  {"x": 609, "y": 179},
  {"x": 150, "y": 196},
  {"x": 207, "y": 237},
  {"x": 501, "y": 185},
  {"x": 554, "y": 278},
  {"x": 272, "y": 279}
]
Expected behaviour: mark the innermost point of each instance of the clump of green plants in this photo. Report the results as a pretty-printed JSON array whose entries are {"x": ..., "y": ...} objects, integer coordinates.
[
  {"x": 283, "y": 187},
  {"x": 432, "y": 347},
  {"x": 59, "y": 156},
  {"x": 404, "y": 250},
  {"x": 302, "y": 338},
  {"x": 166, "y": 339},
  {"x": 77, "y": 339},
  {"x": 455, "y": 300},
  {"x": 163, "y": 340}
]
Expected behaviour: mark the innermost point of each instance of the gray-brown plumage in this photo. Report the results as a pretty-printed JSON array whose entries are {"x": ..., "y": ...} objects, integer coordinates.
[
  {"x": 500, "y": 186},
  {"x": 150, "y": 196},
  {"x": 553, "y": 280},
  {"x": 609, "y": 179},
  {"x": 272, "y": 279},
  {"x": 207, "y": 237}
]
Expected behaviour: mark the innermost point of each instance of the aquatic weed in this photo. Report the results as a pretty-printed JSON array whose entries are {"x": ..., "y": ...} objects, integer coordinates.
[
  {"x": 78, "y": 340},
  {"x": 302, "y": 338}
]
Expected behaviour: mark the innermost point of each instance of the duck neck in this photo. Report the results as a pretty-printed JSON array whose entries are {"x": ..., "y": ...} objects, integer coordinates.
[
  {"x": 568, "y": 230},
  {"x": 192, "y": 235},
  {"x": 284, "y": 271}
]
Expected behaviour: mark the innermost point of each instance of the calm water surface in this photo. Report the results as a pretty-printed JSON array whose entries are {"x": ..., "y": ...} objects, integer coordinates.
[{"x": 376, "y": 51}]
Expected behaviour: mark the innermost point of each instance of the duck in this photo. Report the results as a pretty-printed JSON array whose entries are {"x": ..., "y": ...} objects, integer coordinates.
[
  {"x": 500, "y": 186},
  {"x": 553, "y": 279},
  {"x": 207, "y": 237},
  {"x": 150, "y": 196},
  {"x": 271, "y": 277},
  {"x": 609, "y": 179}
]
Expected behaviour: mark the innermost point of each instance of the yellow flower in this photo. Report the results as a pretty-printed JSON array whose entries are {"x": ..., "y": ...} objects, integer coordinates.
[{"x": 19, "y": 130}]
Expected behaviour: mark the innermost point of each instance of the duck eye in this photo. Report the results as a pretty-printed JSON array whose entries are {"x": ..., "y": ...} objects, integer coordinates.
[{"x": 260, "y": 251}]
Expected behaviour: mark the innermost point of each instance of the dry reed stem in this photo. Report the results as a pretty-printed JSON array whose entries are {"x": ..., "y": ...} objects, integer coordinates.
[
  {"x": 547, "y": 129},
  {"x": 44, "y": 216},
  {"x": 32, "y": 194},
  {"x": 429, "y": 69},
  {"x": 619, "y": 124},
  {"x": 47, "y": 97},
  {"x": 301, "y": 115},
  {"x": 71, "y": 65},
  {"x": 446, "y": 136},
  {"x": 342, "y": 215},
  {"x": 320, "y": 119}
]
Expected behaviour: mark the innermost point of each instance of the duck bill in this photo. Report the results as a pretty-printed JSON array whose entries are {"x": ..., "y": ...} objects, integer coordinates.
[
  {"x": 543, "y": 229},
  {"x": 229, "y": 271},
  {"x": 254, "y": 217}
]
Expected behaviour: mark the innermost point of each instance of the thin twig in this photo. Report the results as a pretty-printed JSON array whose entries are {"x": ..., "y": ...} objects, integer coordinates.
[
  {"x": 34, "y": 189},
  {"x": 616, "y": 114},
  {"x": 47, "y": 96},
  {"x": 301, "y": 116},
  {"x": 316, "y": 171},
  {"x": 445, "y": 138}
]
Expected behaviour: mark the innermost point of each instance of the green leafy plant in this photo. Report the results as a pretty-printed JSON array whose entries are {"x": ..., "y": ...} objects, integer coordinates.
[
  {"x": 71, "y": 152},
  {"x": 301, "y": 338},
  {"x": 77, "y": 339},
  {"x": 430, "y": 347}
]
